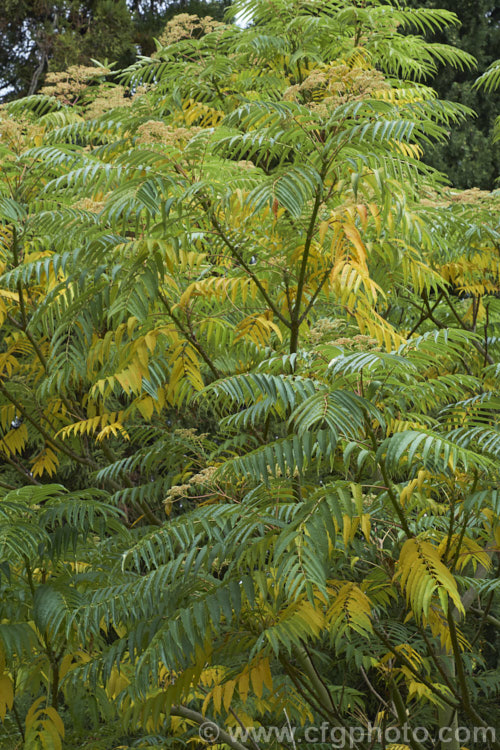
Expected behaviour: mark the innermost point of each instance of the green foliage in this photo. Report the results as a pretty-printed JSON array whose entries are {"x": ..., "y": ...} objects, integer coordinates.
[{"x": 249, "y": 376}]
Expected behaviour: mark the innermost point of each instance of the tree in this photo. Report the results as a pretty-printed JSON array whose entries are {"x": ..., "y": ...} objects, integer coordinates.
[
  {"x": 150, "y": 17},
  {"x": 470, "y": 158},
  {"x": 248, "y": 394},
  {"x": 36, "y": 37},
  {"x": 40, "y": 37}
]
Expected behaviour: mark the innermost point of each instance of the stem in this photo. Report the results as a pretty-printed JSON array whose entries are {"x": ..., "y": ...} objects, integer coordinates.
[
  {"x": 424, "y": 315},
  {"x": 448, "y": 717},
  {"x": 402, "y": 715},
  {"x": 451, "y": 527},
  {"x": 205, "y": 202},
  {"x": 315, "y": 295},
  {"x": 493, "y": 620},
  {"x": 15, "y": 252},
  {"x": 387, "y": 482},
  {"x": 439, "y": 666},
  {"x": 462, "y": 680},
  {"x": 307, "y": 664},
  {"x": 233, "y": 713},
  {"x": 232, "y": 248},
  {"x": 310, "y": 700},
  {"x": 374, "y": 692},
  {"x": 295, "y": 317},
  {"x": 7, "y": 486},
  {"x": 18, "y": 719},
  {"x": 487, "y": 357}
]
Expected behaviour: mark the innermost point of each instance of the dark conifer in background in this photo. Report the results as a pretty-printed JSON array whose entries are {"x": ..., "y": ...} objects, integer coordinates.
[
  {"x": 40, "y": 36},
  {"x": 470, "y": 158}
]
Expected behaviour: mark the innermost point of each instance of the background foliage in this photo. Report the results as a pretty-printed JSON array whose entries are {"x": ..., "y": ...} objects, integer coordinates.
[
  {"x": 42, "y": 36},
  {"x": 470, "y": 158}
]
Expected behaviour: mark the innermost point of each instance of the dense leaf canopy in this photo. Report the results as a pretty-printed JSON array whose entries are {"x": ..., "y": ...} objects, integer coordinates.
[{"x": 249, "y": 393}]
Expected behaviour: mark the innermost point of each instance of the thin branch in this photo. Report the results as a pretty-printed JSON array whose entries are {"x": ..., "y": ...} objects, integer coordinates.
[
  {"x": 374, "y": 692},
  {"x": 38, "y": 427},
  {"x": 295, "y": 319},
  {"x": 401, "y": 657},
  {"x": 315, "y": 295},
  {"x": 192, "y": 339},
  {"x": 232, "y": 248},
  {"x": 20, "y": 469},
  {"x": 487, "y": 357},
  {"x": 387, "y": 481}
]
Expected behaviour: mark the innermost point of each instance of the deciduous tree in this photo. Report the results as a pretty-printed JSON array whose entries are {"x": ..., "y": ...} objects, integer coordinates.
[{"x": 248, "y": 393}]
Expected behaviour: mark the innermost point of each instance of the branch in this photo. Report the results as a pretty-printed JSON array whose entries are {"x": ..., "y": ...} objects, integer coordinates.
[
  {"x": 56, "y": 444},
  {"x": 222, "y": 735},
  {"x": 387, "y": 481},
  {"x": 37, "y": 73},
  {"x": 232, "y": 248},
  {"x": 462, "y": 679},
  {"x": 374, "y": 692},
  {"x": 205, "y": 202},
  {"x": 487, "y": 357},
  {"x": 315, "y": 295},
  {"x": 398, "y": 655},
  {"x": 493, "y": 620},
  {"x": 295, "y": 319},
  {"x": 311, "y": 699},
  {"x": 192, "y": 339},
  {"x": 20, "y": 470}
]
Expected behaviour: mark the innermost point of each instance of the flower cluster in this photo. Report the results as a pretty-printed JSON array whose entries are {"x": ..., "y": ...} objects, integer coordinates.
[
  {"x": 204, "y": 478},
  {"x": 358, "y": 343},
  {"x": 326, "y": 88},
  {"x": 16, "y": 133},
  {"x": 87, "y": 204},
  {"x": 187, "y": 26},
  {"x": 68, "y": 85},
  {"x": 324, "y": 328},
  {"x": 156, "y": 131},
  {"x": 108, "y": 98}
]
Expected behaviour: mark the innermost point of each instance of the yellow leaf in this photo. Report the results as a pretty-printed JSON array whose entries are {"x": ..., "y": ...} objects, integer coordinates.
[
  {"x": 146, "y": 407},
  {"x": 366, "y": 525},
  {"x": 46, "y": 462},
  {"x": 257, "y": 681},
  {"x": 243, "y": 685},
  {"x": 323, "y": 228},
  {"x": 261, "y": 676},
  {"x": 55, "y": 719},
  {"x": 354, "y": 236},
  {"x": 6, "y": 695},
  {"x": 423, "y": 574},
  {"x": 228, "y": 693},
  {"x": 33, "y": 712},
  {"x": 49, "y": 736},
  {"x": 217, "y": 697}
]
